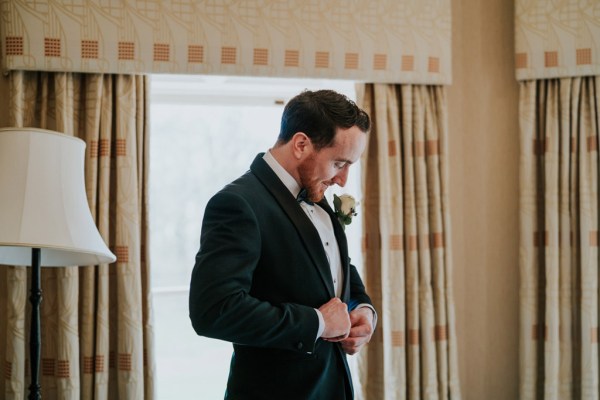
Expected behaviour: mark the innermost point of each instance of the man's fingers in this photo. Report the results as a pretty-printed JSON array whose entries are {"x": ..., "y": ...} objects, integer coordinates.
[
  {"x": 352, "y": 345},
  {"x": 336, "y": 339},
  {"x": 357, "y": 319},
  {"x": 360, "y": 330}
]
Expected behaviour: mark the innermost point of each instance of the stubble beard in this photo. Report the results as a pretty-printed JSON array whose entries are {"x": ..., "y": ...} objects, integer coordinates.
[{"x": 314, "y": 187}]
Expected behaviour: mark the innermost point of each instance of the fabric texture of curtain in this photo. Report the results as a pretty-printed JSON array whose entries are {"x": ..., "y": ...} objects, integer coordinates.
[
  {"x": 408, "y": 269},
  {"x": 559, "y": 124},
  {"x": 97, "y": 328}
]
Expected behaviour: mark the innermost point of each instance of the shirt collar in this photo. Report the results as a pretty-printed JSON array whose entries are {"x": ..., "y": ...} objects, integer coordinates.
[{"x": 285, "y": 177}]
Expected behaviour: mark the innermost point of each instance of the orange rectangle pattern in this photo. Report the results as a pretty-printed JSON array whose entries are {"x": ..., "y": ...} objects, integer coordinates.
[
  {"x": 322, "y": 59},
  {"x": 521, "y": 60},
  {"x": 379, "y": 61},
  {"x": 161, "y": 52},
  {"x": 195, "y": 53},
  {"x": 126, "y": 51},
  {"x": 125, "y": 362},
  {"x": 397, "y": 338},
  {"x": 63, "y": 369},
  {"x": 52, "y": 47},
  {"x": 14, "y": 45},
  {"x": 396, "y": 242},
  {"x": 89, "y": 49},
  {"x": 228, "y": 55},
  {"x": 551, "y": 59},
  {"x": 292, "y": 58},
  {"x": 583, "y": 56},
  {"x": 408, "y": 63},
  {"x": 261, "y": 57}
]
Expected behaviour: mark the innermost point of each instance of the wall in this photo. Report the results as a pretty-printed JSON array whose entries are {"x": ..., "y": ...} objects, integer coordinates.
[{"x": 484, "y": 156}]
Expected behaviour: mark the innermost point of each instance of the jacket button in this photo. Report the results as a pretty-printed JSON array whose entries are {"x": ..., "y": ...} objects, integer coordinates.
[{"x": 299, "y": 346}]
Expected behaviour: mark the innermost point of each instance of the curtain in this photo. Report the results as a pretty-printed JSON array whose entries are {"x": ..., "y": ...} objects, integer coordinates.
[
  {"x": 408, "y": 270},
  {"x": 96, "y": 320},
  {"x": 559, "y": 124}
]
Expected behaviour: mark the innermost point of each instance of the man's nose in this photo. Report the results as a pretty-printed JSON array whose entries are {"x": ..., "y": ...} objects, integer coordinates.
[{"x": 341, "y": 177}]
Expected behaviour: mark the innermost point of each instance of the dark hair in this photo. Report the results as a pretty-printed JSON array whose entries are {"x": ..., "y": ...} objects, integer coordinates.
[{"x": 319, "y": 114}]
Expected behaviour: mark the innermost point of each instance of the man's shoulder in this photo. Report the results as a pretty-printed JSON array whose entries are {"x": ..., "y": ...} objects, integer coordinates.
[
  {"x": 246, "y": 183},
  {"x": 257, "y": 186},
  {"x": 247, "y": 188}
]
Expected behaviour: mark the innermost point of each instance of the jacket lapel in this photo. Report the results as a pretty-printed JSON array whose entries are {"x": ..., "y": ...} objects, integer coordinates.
[{"x": 306, "y": 229}]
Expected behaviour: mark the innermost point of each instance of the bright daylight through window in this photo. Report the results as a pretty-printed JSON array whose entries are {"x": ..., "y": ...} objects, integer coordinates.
[{"x": 205, "y": 132}]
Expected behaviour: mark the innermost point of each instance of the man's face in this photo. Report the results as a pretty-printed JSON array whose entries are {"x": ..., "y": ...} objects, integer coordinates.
[{"x": 329, "y": 165}]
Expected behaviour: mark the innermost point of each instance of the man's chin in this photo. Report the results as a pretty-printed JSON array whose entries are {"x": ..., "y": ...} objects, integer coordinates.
[{"x": 317, "y": 196}]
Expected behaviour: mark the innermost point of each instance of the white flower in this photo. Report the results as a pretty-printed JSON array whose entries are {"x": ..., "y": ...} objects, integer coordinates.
[
  {"x": 348, "y": 204},
  {"x": 345, "y": 208}
]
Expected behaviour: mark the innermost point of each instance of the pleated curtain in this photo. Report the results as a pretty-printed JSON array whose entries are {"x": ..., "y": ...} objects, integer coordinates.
[
  {"x": 408, "y": 268},
  {"x": 97, "y": 329},
  {"x": 559, "y": 128}
]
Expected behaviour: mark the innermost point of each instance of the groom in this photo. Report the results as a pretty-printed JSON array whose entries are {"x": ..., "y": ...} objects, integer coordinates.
[{"x": 273, "y": 274}]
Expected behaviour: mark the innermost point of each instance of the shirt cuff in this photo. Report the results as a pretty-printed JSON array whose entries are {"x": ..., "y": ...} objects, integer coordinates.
[
  {"x": 321, "y": 324},
  {"x": 362, "y": 305}
]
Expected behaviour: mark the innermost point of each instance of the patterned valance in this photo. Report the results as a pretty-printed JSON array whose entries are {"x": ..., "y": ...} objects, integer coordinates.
[
  {"x": 557, "y": 38},
  {"x": 380, "y": 41}
]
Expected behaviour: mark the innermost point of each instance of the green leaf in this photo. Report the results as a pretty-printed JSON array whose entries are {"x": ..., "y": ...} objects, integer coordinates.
[{"x": 337, "y": 203}]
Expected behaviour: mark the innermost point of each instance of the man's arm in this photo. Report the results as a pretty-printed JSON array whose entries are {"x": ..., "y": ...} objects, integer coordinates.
[
  {"x": 220, "y": 303},
  {"x": 363, "y": 316}
]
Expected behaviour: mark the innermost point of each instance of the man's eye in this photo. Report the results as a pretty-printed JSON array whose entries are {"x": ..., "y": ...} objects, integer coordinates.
[{"x": 339, "y": 165}]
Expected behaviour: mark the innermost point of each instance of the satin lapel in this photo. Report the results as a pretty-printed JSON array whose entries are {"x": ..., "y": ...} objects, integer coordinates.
[
  {"x": 343, "y": 245},
  {"x": 308, "y": 232}
]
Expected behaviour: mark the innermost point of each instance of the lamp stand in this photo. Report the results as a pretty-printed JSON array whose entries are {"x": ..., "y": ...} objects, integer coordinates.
[
  {"x": 43, "y": 206},
  {"x": 35, "y": 341}
]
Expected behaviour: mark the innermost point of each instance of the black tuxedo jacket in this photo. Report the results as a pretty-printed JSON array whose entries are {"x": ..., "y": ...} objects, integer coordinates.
[{"x": 260, "y": 273}]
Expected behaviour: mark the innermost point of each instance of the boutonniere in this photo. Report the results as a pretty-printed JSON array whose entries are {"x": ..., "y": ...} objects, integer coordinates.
[{"x": 344, "y": 207}]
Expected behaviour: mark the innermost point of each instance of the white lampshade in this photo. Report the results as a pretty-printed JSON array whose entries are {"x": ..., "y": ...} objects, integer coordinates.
[{"x": 43, "y": 203}]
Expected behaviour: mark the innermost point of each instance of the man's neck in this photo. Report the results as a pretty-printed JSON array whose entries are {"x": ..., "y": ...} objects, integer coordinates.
[{"x": 288, "y": 163}]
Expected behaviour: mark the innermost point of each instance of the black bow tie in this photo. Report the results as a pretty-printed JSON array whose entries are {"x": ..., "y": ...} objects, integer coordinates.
[{"x": 303, "y": 197}]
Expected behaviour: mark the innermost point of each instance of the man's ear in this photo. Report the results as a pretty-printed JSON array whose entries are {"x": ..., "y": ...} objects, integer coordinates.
[{"x": 301, "y": 145}]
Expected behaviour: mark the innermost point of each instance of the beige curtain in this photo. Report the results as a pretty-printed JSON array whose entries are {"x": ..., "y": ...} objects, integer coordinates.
[
  {"x": 408, "y": 268},
  {"x": 559, "y": 123},
  {"x": 96, "y": 320}
]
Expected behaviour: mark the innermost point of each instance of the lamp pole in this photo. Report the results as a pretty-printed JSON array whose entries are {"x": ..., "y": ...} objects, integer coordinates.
[{"x": 35, "y": 339}]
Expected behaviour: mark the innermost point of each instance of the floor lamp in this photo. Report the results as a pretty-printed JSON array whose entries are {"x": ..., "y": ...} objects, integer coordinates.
[{"x": 45, "y": 220}]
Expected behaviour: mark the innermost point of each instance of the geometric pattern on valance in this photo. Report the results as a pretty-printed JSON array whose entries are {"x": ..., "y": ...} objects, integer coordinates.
[
  {"x": 400, "y": 41},
  {"x": 557, "y": 39}
]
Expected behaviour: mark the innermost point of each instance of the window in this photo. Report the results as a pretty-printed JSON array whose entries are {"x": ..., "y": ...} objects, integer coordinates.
[{"x": 205, "y": 132}]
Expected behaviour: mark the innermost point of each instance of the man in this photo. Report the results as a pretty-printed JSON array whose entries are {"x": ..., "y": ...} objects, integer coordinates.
[{"x": 273, "y": 275}]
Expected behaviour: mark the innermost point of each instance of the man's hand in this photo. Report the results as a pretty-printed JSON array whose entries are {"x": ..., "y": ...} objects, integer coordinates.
[
  {"x": 337, "y": 320},
  {"x": 361, "y": 331}
]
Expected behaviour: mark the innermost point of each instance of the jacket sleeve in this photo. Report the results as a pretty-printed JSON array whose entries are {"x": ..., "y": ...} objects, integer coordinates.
[
  {"x": 358, "y": 293},
  {"x": 220, "y": 304}
]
